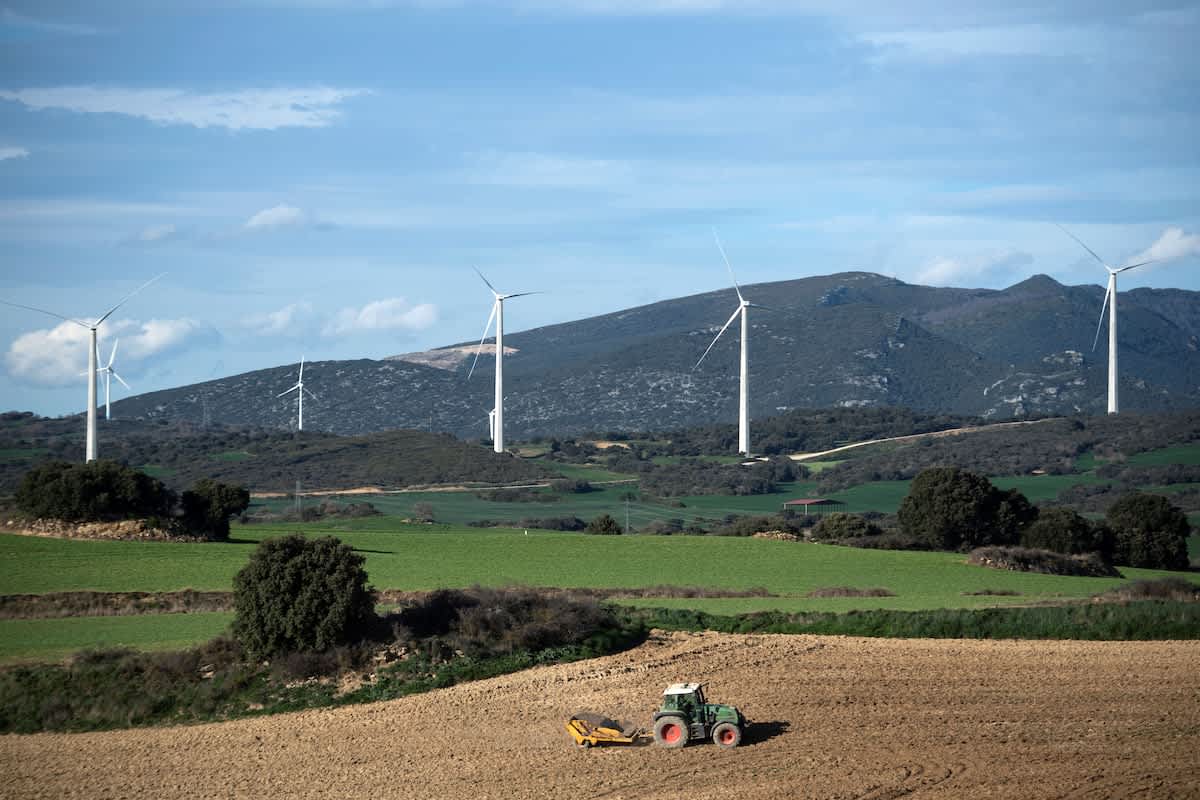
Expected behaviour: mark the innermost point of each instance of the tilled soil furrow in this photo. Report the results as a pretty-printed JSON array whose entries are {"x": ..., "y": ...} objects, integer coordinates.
[{"x": 832, "y": 717}]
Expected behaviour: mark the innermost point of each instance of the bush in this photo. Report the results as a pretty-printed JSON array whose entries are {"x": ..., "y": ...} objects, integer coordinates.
[
  {"x": 300, "y": 594},
  {"x": 569, "y": 486},
  {"x": 1149, "y": 532},
  {"x": 208, "y": 505},
  {"x": 1065, "y": 531},
  {"x": 840, "y": 525},
  {"x": 951, "y": 509},
  {"x": 1022, "y": 559},
  {"x": 604, "y": 525},
  {"x": 96, "y": 491}
]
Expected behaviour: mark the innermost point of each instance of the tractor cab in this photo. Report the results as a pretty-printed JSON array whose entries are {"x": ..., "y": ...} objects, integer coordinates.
[{"x": 685, "y": 714}]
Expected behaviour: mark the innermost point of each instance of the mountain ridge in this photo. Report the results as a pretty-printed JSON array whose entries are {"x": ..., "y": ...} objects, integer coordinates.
[{"x": 849, "y": 339}]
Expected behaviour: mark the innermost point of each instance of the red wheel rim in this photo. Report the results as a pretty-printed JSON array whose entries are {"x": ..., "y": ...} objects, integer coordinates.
[
  {"x": 728, "y": 736},
  {"x": 671, "y": 733}
]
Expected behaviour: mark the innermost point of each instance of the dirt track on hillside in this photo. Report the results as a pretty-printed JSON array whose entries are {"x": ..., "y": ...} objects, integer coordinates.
[{"x": 833, "y": 717}]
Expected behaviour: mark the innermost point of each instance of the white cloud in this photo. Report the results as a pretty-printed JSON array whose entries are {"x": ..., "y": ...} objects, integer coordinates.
[
  {"x": 158, "y": 233},
  {"x": 286, "y": 320},
  {"x": 1173, "y": 244},
  {"x": 58, "y": 356},
  {"x": 247, "y": 109},
  {"x": 548, "y": 170},
  {"x": 280, "y": 216},
  {"x": 393, "y": 313},
  {"x": 12, "y": 152},
  {"x": 997, "y": 40},
  {"x": 12, "y": 19},
  {"x": 955, "y": 270}
]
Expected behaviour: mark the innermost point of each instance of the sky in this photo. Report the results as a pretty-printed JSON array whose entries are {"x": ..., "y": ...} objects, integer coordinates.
[{"x": 319, "y": 178}]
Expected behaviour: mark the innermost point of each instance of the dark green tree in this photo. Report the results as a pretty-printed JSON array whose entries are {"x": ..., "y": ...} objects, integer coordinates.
[
  {"x": 839, "y": 526},
  {"x": 1066, "y": 531},
  {"x": 209, "y": 504},
  {"x": 1149, "y": 532},
  {"x": 98, "y": 490},
  {"x": 298, "y": 594},
  {"x": 604, "y": 525},
  {"x": 949, "y": 508}
]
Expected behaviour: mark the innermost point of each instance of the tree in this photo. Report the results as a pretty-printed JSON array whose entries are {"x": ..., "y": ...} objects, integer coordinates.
[
  {"x": 209, "y": 504},
  {"x": 840, "y": 525},
  {"x": 298, "y": 594},
  {"x": 1149, "y": 532},
  {"x": 98, "y": 490},
  {"x": 949, "y": 508},
  {"x": 1066, "y": 531},
  {"x": 604, "y": 525}
]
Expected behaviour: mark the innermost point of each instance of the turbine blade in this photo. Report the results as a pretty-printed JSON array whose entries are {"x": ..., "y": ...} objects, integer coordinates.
[
  {"x": 725, "y": 258},
  {"x": 718, "y": 336},
  {"x": 1100, "y": 324},
  {"x": 44, "y": 311},
  {"x": 764, "y": 308},
  {"x": 301, "y": 368},
  {"x": 1084, "y": 246},
  {"x": 126, "y": 298},
  {"x": 310, "y": 394},
  {"x": 289, "y": 391},
  {"x": 112, "y": 356},
  {"x": 485, "y": 280},
  {"x": 122, "y": 380},
  {"x": 1139, "y": 264},
  {"x": 486, "y": 328},
  {"x": 518, "y": 294}
]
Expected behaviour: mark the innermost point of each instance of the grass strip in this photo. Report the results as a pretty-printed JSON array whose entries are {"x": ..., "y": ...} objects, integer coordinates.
[{"x": 1135, "y": 621}]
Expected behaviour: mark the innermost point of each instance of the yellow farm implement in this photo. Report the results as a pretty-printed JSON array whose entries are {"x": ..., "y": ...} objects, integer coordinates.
[{"x": 589, "y": 730}]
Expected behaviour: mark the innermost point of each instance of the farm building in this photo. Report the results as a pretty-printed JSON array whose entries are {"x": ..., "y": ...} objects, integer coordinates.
[{"x": 813, "y": 506}]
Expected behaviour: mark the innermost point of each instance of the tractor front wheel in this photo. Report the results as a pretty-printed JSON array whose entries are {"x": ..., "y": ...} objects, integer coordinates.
[
  {"x": 670, "y": 732},
  {"x": 727, "y": 735}
]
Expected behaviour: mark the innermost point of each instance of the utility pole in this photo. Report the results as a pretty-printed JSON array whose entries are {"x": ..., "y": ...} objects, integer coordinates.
[{"x": 297, "y": 497}]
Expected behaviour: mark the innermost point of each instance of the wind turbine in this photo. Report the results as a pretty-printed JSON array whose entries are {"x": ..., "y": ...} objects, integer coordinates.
[
  {"x": 498, "y": 315},
  {"x": 743, "y": 309},
  {"x": 299, "y": 390},
  {"x": 109, "y": 374},
  {"x": 1110, "y": 300},
  {"x": 90, "y": 447}
]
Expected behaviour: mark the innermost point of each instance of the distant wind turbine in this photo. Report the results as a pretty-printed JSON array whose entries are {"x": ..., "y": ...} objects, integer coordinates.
[
  {"x": 109, "y": 374},
  {"x": 1110, "y": 300},
  {"x": 299, "y": 390},
  {"x": 498, "y": 315},
  {"x": 90, "y": 447},
  {"x": 743, "y": 308}
]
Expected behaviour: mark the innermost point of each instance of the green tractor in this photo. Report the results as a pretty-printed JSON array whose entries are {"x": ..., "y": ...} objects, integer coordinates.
[{"x": 685, "y": 716}]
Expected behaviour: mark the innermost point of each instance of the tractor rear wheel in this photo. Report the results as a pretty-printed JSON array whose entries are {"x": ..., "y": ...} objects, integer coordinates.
[
  {"x": 670, "y": 732},
  {"x": 727, "y": 735}
]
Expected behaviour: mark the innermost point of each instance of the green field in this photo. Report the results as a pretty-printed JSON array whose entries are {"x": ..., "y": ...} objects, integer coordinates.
[
  {"x": 1176, "y": 454},
  {"x": 54, "y": 639},
  {"x": 426, "y": 557},
  {"x": 449, "y": 554}
]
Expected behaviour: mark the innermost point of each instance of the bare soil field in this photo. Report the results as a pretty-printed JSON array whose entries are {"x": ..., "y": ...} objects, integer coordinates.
[{"x": 831, "y": 717}]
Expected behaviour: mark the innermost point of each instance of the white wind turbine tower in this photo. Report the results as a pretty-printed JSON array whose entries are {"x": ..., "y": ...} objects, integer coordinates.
[
  {"x": 743, "y": 309},
  {"x": 109, "y": 374},
  {"x": 497, "y": 413},
  {"x": 1110, "y": 300},
  {"x": 90, "y": 447},
  {"x": 299, "y": 390}
]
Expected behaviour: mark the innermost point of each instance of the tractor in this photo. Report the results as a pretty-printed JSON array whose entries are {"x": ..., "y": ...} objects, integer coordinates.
[{"x": 685, "y": 716}]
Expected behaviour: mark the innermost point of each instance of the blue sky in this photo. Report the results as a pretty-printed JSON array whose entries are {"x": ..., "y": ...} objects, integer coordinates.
[{"x": 319, "y": 178}]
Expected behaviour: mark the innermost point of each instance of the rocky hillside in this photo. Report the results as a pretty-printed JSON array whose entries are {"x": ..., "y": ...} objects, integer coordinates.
[{"x": 852, "y": 339}]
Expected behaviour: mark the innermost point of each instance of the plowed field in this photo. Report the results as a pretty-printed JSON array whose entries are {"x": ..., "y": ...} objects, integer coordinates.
[{"x": 833, "y": 718}]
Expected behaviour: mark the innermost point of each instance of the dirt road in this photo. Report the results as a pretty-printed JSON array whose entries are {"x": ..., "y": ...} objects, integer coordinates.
[{"x": 833, "y": 718}]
